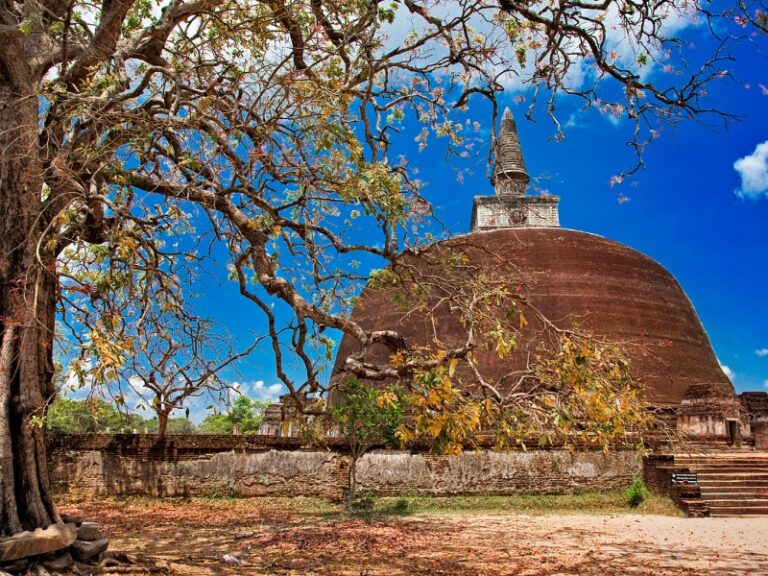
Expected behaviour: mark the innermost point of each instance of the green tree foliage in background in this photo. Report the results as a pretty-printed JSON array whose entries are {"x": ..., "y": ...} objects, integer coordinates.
[
  {"x": 172, "y": 426},
  {"x": 67, "y": 416},
  {"x": 244, "y": 417}
]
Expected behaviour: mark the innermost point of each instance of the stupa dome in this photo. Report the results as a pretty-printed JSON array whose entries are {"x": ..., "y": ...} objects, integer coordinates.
[
  {"x": 560, "y": 278},
  {"x": 572, "y": 278}
]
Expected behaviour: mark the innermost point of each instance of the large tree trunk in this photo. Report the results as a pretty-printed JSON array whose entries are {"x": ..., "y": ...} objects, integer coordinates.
[{"x": 28, "y": 289}]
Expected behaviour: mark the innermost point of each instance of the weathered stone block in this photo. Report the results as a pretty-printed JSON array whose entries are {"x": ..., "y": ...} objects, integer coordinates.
[
  {"x": 88, "y": 531},
  {"x": 84, "y": 550},
  {"x": 25, "y": 544}
]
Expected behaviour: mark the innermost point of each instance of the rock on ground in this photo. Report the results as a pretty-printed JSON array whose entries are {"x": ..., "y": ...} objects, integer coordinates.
[
  {"x": 41, "y": 541},
  {"x": 85, "y": 550}
]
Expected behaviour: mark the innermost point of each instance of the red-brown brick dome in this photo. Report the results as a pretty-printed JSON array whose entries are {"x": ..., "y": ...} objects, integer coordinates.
[{"x": 604, "y": 287}]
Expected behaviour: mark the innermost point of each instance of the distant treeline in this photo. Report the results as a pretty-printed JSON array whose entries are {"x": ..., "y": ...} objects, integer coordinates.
[{"x": 95, "y": 415}]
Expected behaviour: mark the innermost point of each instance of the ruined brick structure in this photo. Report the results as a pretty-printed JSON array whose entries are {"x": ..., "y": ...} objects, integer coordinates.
[{"x": 578, "y": 279}]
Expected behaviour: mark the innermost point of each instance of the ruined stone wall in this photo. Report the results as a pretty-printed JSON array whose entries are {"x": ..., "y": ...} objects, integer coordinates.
[
  {"x": 486, "y": 472},
  {"x": 756, "y": 405},
  {"x": 323, "y": 473}
]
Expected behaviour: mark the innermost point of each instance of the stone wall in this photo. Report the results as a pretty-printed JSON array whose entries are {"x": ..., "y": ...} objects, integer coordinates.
[
  {"x": 487, "y": 472},
  {"x": 323, "y": 473}
]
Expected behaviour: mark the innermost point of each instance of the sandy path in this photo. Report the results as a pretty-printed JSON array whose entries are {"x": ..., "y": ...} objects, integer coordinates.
[
  {"x": 191, "y": 540},
  {"x": 636, "y": 544}
]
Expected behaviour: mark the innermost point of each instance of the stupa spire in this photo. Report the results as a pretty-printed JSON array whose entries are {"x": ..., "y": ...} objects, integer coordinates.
[
  {"x": 510, "y": 177},
  {"x": 511, "y": 207}
]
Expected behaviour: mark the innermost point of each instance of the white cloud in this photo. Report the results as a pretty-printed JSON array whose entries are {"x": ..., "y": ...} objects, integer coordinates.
[
  {"x": 762, "y": 352},
  {"x": 765, "y": 383},
  {"x": 753, "y": 170},
  {"x": 260, "y": 391},
  {"x": 257, "y": 390},
  {"x": 728, "y": 372}
]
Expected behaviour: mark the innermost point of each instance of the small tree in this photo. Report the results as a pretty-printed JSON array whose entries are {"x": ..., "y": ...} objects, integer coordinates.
[
  {"x": 246, "y": 415},
  {"x": 367, "y": 417},
  {"x": 175, "y": 357}
]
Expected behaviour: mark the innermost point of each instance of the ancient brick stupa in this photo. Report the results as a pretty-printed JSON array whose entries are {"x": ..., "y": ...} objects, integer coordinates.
[{"x": 575, "y": 278}]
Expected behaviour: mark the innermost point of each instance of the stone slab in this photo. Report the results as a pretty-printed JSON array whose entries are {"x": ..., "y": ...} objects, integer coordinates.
[
  {"x": 40, "y": 541},
  {"x": 84, "y": 550}
]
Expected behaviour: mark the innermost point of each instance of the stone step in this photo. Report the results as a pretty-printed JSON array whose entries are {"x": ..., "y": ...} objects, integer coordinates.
[
  {"x": 743, "y": 458},
  {"x": 737, "y": 511},
  {"x": 727, "y": 465},
  {"x": 718, "y": 465},
  {"x": 724, "y": 464},
  {"x": 759, "y": 490},
  {"x": 729, "y": 470},
  {"x": 695, "y": 508},
  {"x": 744, "y": 496},
  {"x": 733, "y": 476},
  {"x": 745, "y": 503},
  {"x": 732, "y": 484}
]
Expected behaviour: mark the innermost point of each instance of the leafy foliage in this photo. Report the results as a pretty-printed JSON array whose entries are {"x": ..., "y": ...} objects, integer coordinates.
[
  {"x": 582, "y": 394},
  {"x": 442, "y": 415},
  {"x": 591, "y": 395},
  {"x": 67, "y": 416},
  {"x": 366, "y": 417},
  {"x": 636, "y": 493},
  {"x": 244, "y": 416},
  {"x": 173, "y": 426}
]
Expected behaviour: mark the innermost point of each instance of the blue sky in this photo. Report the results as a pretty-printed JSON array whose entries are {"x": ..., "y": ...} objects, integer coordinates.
[{"x": 683, "y": 210}]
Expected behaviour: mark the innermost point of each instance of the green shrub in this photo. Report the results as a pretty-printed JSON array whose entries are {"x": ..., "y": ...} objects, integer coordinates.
[
  {"x": 636, "y": 493},
  {"x": 401, "y": 506}
]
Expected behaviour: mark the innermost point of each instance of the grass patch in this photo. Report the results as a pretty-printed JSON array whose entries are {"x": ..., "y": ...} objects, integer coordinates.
[{"x": 584, "y": 503}]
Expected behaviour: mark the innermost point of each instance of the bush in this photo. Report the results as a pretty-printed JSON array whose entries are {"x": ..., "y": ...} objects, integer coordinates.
[
  {"x": 636, "y": 493},
  {"x": 401, "y": 506},
  {"x": 363, "y": 503}
]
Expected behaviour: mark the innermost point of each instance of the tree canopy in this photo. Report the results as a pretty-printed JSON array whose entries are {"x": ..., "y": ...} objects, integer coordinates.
[{"x": 138, "y": 137}]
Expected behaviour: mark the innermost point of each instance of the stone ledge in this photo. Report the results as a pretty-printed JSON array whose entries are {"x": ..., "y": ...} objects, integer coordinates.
[{"x": 41, "y": 541}]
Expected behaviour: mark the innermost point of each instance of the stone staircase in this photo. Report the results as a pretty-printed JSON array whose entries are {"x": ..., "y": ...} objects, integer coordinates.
[{"x": 731, "y": 483}]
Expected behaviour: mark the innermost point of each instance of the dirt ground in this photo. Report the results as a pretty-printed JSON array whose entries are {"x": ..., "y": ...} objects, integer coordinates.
[{"x": 193, "y": 538}]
